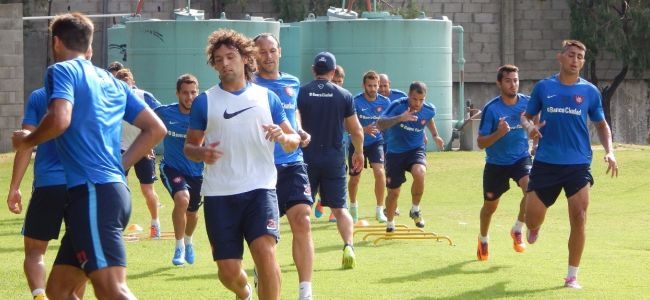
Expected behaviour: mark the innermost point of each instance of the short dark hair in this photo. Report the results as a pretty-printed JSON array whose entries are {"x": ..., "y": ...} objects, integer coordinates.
[
  {"x": 75, "y": 31},
  {"x": 268, "y": 36},
  {"x": 186, "y": 79},
  {"x": 575, "y": 43},
  {"x": 370, "y": 75},
  {"x": 115, "y": 66},
  {"x": 418, "y": 87},
  {"x": 502, "y": 70}
]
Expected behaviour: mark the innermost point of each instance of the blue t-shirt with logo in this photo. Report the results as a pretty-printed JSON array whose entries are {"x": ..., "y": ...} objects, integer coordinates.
[
  {"x": 369, "y": 112},
  {"x": 177, "y": 124},
  {"x": 514, "y": 145},
  {"x": 565, "y": 109},
  {"x": 407, "y": 136}
]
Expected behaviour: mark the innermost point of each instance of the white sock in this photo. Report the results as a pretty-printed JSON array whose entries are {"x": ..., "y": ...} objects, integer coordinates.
[
  {"x": 484, "y": 239},
  {"x": 37, "y": 291},
  {"x": 304, "y": 290},
  {"x": 155, "y": 222},
  {"x": 573, "y": 272},
  {"x": 390, "y": 224},
  {"x": 415, "y": 208},
  {"x": 188, "y": 239},
  {"x": 180, "y": 244},
  {"x": 353, "y": 204},
  {"x": 380, "y": 208},
  {"x": 519, "y": 225}
]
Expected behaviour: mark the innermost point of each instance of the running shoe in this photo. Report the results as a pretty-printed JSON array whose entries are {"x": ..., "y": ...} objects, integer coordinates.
[
  {"x": 154, "y": 232},
  {"x": 517, "y": 242},
  {"x": 531, "y": 235},
  {"x": 482, "y": 250},
  {"x": 390, "y": 229},
  {"x": 189, "y": 253},
  {"x": 250, "y": 293},
  {"x": 572, "y": 282},
  {"x": 318, "y": 212},
  {"x": 332, "y": 218},
  {"x": 354, "y": 211},
  {"x": 40, "y": 296},
  {"x": 349, "y": 259},
  {"x": 178, "y": 259},
  {"x": 380, "y": 217},
  {"x": 417, "y": 218}
]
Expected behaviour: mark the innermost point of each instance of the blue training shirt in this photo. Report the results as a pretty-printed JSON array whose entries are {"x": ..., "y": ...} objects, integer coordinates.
[
  {"x": 90, "y": 148},
  {"x": 177, "y": 124},
  {"x": 323, "y": 108},
  {"x": 396, "y": 95},
  {"x": 407, "y": 136},
  {"x": 514, "y": 145},
  {"x": 286, "y": 88},
  {"x": 48, "y": 169},
  {"x": 369, "y": 112},
  {"x": 565, "y": 108}
]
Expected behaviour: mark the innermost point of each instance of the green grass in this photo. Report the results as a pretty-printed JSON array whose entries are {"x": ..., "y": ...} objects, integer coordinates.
[{"x": 614, "y": 265}]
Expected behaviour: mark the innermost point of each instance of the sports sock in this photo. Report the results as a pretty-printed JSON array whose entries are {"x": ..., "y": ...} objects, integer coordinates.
[
  {"x": 304, "y": 290},
  {"x": 519, "y": 225},
  {"x": 415, "y": 208},
  {"x": 573, "y": 272},
  {"x": 390, "y": 224},
  {"x": 380, "y": 208},
  {"x": 484, "y": 239},
  {"x": 188, "y": 239},
  {"x": 155, "y": 222},
  {"x": 353, "y": 204},
  {"x": 180, "y": 244},
  {"x": 38, "y": 291}
]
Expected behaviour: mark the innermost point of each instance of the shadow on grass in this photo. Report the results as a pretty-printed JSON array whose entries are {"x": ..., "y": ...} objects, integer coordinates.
[
  {"x": 149, "y": 273},
  {"x": 497, "y": 290},
  {"x": 452, "y": 269}
]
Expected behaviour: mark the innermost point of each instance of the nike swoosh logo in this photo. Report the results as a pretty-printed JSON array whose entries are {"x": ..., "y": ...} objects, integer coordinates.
[
  {"x": 227, "y": 115},
  {"x": 550, "y": 96}
]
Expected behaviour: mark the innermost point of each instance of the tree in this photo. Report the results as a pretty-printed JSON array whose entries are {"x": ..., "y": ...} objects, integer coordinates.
[{"x": 620, "y": 28}]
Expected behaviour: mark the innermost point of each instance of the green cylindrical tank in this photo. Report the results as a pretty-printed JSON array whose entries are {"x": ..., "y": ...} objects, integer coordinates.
[
  {"x": 290, "y": 44},
  {"x": 160, "y": 51},
  {"x": 116, "y": 51},
  {"x": 406, "y": 50}
]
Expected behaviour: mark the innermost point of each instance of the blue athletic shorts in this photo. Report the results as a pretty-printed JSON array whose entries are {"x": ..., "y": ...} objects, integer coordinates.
[
  {"x": 174, "y": 181},
  {"x": 45, "y": 212},
  {"x": 327, "y": 178},
  {"x": 293, "y": 186},
  {"x": 95, "y": 219},
  {"x": 373, "y": 153},
  {"x": 547, "y": 180},
  {"x": 231, "y": 219},
  {"x": 496, "y": 178},
  {"x": 397, "y": 164}
]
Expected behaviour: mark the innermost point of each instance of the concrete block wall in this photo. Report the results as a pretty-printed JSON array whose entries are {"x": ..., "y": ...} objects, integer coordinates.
[{"x": 11, "y": 72}]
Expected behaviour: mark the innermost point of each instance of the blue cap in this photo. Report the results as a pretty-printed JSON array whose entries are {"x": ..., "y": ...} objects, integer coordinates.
[{"x": 324, "y": 62}]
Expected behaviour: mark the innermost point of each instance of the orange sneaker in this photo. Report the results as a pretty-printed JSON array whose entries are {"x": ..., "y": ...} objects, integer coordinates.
[
  {"x": 332, "y": 218},
  {"x": 517, "y": 243},
  {"x": 482, "y": 250}
]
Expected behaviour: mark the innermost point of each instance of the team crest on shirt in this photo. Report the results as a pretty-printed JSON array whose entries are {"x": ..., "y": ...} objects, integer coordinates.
[
  {"x": 177, "y": 179},
  {"x": 320, "y": 86},
  {"x": 578, "y": 99},
  {"x": 289, "y": 90},
  {"x": 271, "y": 224},
  {"x": 379, "y": 109},
  {"x": 307, "y": 189},
  {"x": 423, "y": 122}
]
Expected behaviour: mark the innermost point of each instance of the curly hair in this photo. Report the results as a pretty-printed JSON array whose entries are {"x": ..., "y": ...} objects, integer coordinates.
[{"x": 233, "y": 39}]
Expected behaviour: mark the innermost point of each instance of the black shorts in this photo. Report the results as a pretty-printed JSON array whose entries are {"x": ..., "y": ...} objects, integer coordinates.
[
  {"x": 397, "y": 164},
  {"x": 547, "y": 180},
  {"x": 174, "y": 181},
  {"x": 327, "y": 178},
  {"x": 292, "y": 186},
  {"x": 45, "y": 212},
  {"x": 145, "y": 170},
  {"x": 373, "y": 153},
  {"x": 95, "y": 218},
  {"x": 496, "y": 178}
]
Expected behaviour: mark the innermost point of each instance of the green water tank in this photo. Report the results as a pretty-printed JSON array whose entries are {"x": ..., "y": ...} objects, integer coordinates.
[
  {"x": 405, "y": 49},
  {"x": 116, "y": 51},
  {"x": 160, "y": 51},
  {"x": 290, "y": 44}
]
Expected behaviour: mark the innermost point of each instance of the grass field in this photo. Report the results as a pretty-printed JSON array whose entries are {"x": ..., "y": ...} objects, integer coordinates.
[{"x": 615, "y": 264}]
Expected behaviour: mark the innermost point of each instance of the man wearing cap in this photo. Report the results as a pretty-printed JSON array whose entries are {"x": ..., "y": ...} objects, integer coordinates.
[{"x": 325, "y": 109}]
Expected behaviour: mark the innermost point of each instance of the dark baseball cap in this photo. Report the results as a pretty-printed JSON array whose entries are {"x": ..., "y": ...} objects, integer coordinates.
[{"x": 324, "y": 62}]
